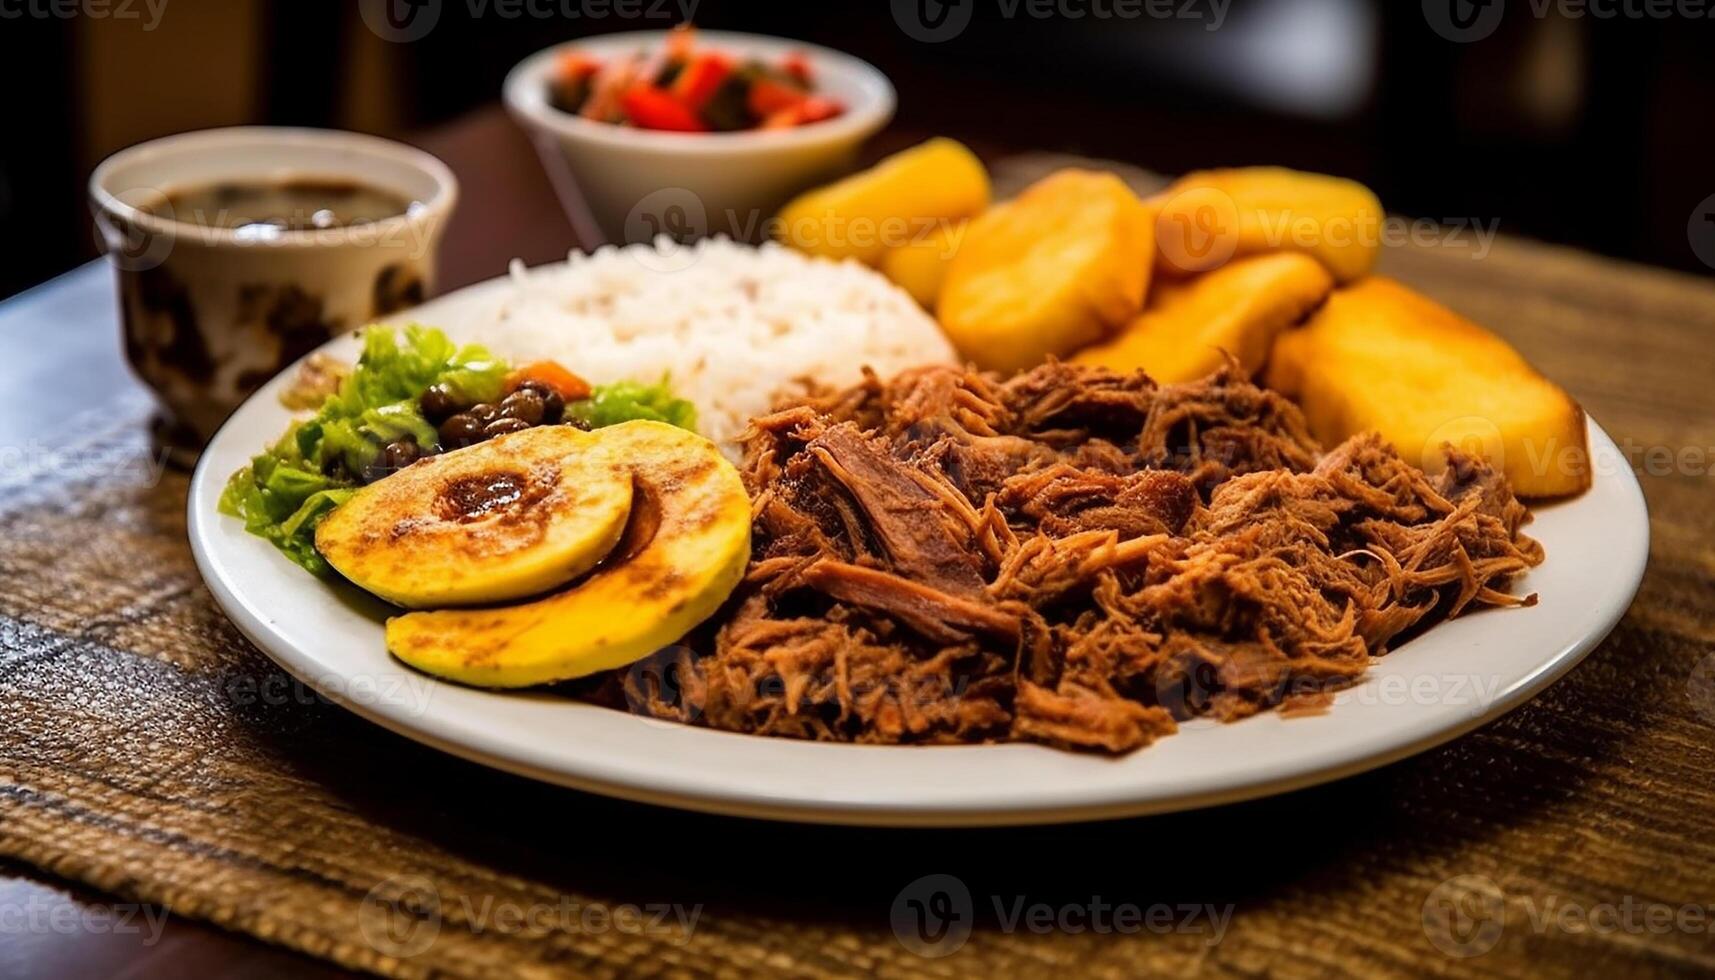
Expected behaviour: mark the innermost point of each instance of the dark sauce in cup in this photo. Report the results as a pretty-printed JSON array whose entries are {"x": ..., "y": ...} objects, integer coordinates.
[{"x": 265, "y": 208}]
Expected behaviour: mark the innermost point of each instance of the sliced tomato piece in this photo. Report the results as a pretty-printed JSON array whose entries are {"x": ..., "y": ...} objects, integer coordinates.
[
  {"x": 574, "y": 66},
  {"x": 680, "y": 40},
  {"x": 816, "y": 108},
  {"x": 651, "y": 108},
  {"x": 768, "y": 97},
  {"x": 797, "y": 64},
  {"x": 701, "y": 79},
  {"x": 783, "y": 119}
]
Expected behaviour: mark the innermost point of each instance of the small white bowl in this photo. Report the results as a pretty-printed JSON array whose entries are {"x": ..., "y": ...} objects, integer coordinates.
[{"x": 635, "y": 183}]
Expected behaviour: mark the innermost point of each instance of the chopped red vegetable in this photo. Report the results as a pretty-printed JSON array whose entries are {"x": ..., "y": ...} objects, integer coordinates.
[
  {"x": 610, "y": 81},
  {"x": 816, "y": 108},
  {"x": 574, "y": 66},
  {"x": 683, "y": 88},
  {"x": 681, "y": 40},
  {"x": 783, "y": 118},
  {"x": 653, "y": 108},
  {"x": 768, "y": 97},
  {"x": 797, "y": 64},
  {"x": 700, "y": 79}
]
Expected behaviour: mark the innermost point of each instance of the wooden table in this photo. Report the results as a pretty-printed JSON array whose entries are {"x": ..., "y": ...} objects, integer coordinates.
[{"x": 1586, "y": 818}]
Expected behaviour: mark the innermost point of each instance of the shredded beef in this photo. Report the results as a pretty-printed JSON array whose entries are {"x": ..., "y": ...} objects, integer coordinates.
[{"x": 1075, "y": 557}]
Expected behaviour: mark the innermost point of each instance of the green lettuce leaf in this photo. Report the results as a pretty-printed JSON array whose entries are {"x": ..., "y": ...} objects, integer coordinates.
[
  {"x": 624, "y": 401},
  {"x": 313, "y": 468}
]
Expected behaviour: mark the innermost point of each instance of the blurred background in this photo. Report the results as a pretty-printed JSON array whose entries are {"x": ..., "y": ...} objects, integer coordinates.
[{"x": 1578, "y": 121}]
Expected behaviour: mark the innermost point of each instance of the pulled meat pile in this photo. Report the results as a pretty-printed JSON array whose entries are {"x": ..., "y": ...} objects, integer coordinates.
[{"x": 1075, "y": 557}]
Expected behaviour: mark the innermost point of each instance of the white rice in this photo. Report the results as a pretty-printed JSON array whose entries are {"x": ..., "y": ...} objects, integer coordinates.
[{"x": 732, "y": 327}]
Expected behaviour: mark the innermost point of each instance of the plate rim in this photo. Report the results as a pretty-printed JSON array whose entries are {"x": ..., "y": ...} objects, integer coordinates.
[{"x": 588, "y": 775}]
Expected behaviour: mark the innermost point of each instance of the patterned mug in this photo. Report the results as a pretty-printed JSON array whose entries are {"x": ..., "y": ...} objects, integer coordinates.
[{"x": 215, "y": 302}]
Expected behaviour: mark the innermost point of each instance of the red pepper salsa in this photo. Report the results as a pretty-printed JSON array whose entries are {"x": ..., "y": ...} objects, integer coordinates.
[{"x": 686, "y": 89}]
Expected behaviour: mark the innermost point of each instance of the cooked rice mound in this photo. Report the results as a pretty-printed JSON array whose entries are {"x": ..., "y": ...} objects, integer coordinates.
[
  {"x": 733, "y": 328},
  {"x": 1074, "y": 557}
]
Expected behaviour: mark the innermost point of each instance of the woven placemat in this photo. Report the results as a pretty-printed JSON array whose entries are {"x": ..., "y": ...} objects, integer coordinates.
[{"x": 149, "y": 751}]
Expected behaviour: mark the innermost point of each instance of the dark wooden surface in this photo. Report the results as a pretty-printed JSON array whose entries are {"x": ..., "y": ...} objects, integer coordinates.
[{"x": 131, "y": 777}]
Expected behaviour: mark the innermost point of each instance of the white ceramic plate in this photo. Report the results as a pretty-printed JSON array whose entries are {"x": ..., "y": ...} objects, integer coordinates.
[{"x": 1453, "y": 678}]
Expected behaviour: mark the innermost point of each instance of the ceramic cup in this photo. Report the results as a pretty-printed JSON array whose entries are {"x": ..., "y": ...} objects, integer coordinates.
[
  {"x": 635, "y": 184},
  {"x": 211, "y": 312}
]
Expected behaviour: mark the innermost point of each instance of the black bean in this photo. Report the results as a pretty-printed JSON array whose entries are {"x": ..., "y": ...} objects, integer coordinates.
[
  {"x": 526, "y": 406},
  {"x": 400, "y": 453},
  {"x": 460, "y": 430},
  {"x": 553, "y": 407},
  {"x": 439, "y": 403},
  {"x": 500, "y": 427},
  {"x": 553, "y": 403},
  {"x": 393, "y": 457},
  {"x": 483, "y": 412}
]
